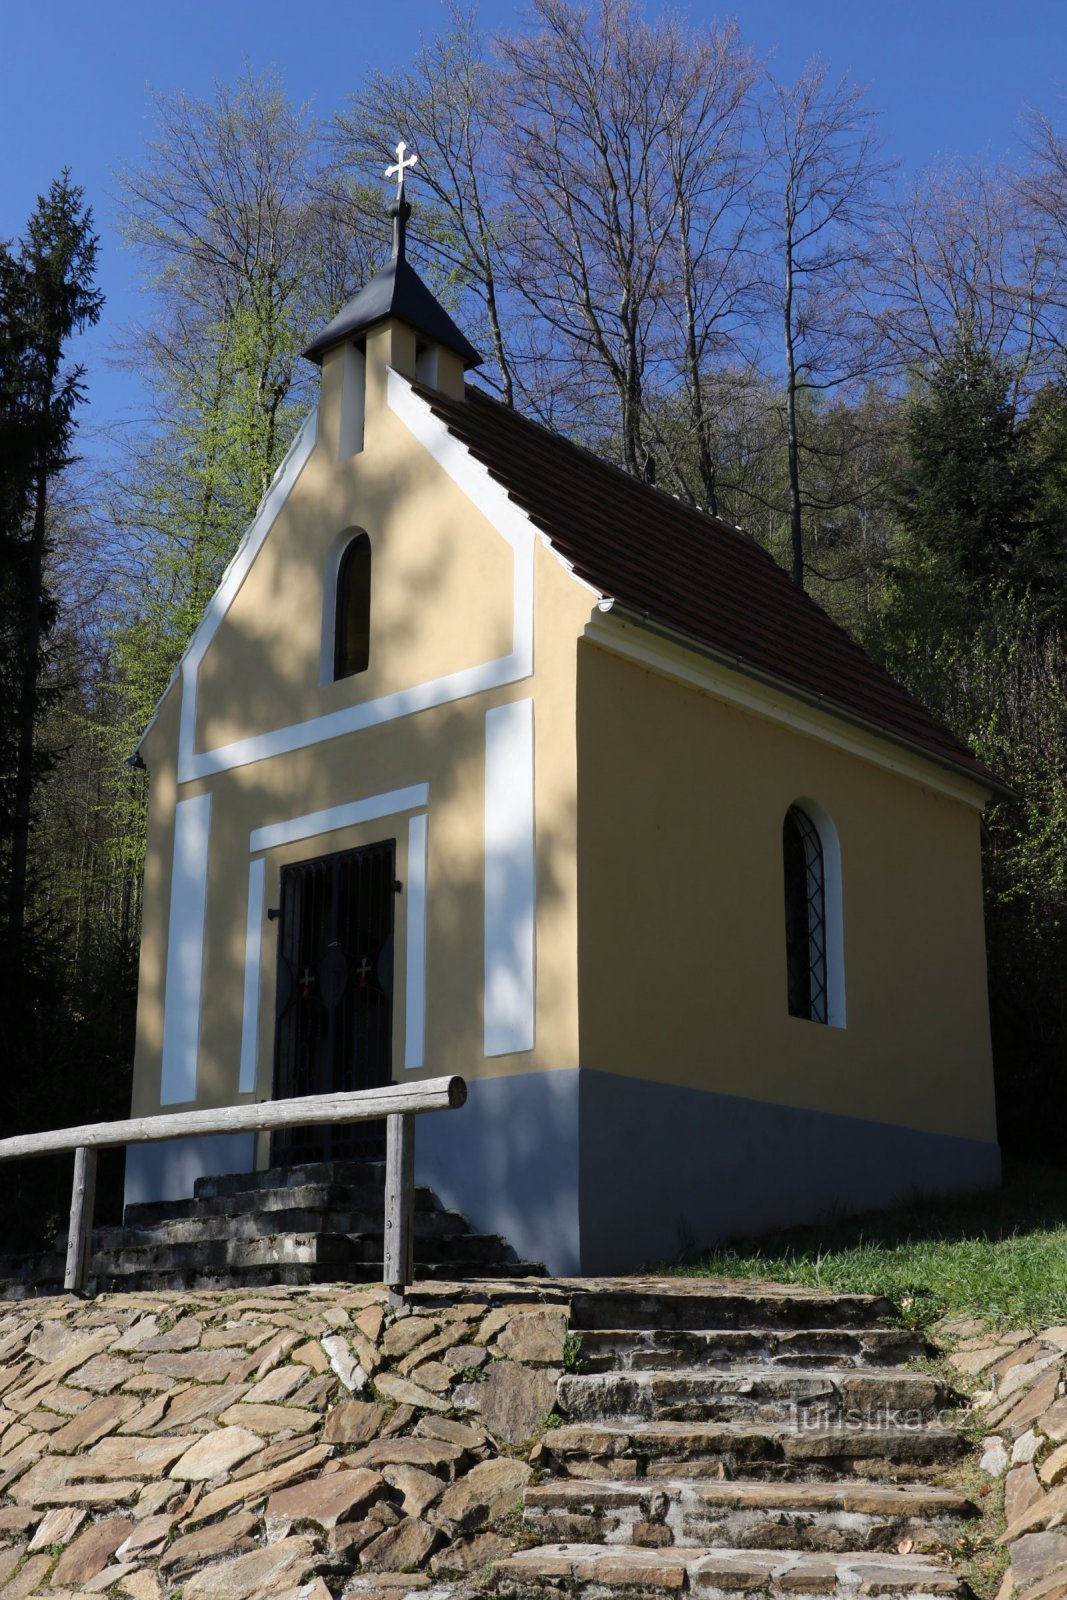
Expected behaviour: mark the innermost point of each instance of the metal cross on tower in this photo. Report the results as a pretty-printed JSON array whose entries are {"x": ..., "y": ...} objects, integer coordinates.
[{"x": 402, "y": 164}]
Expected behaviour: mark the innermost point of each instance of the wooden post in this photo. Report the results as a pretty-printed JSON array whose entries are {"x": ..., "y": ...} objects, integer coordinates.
[
  {"x": 397, "y": 1266},
  {"x": 79, "y": 1240}
]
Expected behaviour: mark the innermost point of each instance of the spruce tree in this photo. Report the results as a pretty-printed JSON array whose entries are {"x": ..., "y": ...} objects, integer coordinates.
[
  {"x": 966, "y": 498},
  {"x": 47, "y": 294}
]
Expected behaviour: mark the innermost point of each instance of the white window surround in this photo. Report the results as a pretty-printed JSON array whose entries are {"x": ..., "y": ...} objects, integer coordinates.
[
  {"x": 373, "y": 808},
  {"x": 833, "y": 914},
  {"x": 309, "y": 826},
  {"x": 427, "y": 365},
  {"x": 500, "y": 511}
]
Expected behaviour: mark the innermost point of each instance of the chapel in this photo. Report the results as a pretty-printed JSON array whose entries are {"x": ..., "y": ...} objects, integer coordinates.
[{"x": 488, "y": 759}]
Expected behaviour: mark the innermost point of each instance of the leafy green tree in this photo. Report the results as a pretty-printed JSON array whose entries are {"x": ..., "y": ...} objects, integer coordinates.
[{"x": 246, "y": 256}]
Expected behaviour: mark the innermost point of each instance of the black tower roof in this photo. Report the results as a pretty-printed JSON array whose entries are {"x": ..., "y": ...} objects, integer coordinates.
[{"x": 396, "y": 291}]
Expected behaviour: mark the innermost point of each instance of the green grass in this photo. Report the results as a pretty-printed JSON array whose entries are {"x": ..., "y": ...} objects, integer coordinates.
[{"x": 999, "y": 1254}]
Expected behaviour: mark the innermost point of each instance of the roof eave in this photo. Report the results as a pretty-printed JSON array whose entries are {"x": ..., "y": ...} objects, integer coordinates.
[
  {"x": 986, "y": 782},
  {"x": 318, "y": 348}
]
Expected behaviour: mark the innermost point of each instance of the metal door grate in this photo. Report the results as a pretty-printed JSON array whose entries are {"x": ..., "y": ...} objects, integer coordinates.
[{"x": 335, "y": 993}]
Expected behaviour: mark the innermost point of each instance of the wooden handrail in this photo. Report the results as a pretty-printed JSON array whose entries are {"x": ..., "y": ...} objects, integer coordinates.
[{"x": 398, "y": 1103}]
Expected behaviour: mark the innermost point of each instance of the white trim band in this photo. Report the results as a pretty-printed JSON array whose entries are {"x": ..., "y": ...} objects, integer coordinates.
[
  {"x": 296, "y": 458},
  {"x": 686, "y": 665},
  {"x": 334, "y": 817}
]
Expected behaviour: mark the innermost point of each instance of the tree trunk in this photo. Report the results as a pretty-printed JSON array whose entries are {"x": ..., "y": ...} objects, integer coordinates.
[
  {"x": 27, "y": 716},
  {"x": 796, "y": 532}
]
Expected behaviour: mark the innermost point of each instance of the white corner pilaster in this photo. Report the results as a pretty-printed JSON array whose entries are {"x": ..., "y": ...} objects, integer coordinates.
[
  {"x": 510, "y": 872},
  {"x": 185, "y": 950}
]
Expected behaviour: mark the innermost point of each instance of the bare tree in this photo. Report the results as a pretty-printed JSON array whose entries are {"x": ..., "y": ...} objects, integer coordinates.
[
  {"x": 1042, "y": 191},
  {"x": 820, "y": 201},
  {"x": 240, "y": 249},
  {"x": 627, "y": 185},
  {"x": 442, "y": 106},
  {"x": 711, "y": 269},
  {"x": 966, "y": 261}
]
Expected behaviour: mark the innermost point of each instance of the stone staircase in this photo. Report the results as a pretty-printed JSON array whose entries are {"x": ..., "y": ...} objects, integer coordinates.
[
  {"x": 321, "y": 1222},
  {"x": 722, "y": 1443}
]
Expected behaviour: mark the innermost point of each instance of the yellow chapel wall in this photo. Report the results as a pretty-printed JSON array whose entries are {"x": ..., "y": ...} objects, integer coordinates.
[
  {"x": 442, "y": 602},
  {"x": 681, "y": 925}
]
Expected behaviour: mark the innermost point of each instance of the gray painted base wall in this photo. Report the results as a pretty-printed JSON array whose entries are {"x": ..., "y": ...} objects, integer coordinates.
[
  {"x": 168, "y": 1170},
  {"x": 509, "y": 1161},
  {"x": 666, "y": 1170},
  {"x": 591, "y": 1172}
]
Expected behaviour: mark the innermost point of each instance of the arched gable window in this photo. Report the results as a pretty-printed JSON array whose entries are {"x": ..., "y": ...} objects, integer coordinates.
[
  {"x": 805, "y": 917},
  {"x": 351, "y": 627}
]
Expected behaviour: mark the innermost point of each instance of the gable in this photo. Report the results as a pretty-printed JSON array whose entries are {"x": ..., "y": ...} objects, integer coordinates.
[{"x": 451, "y": 610}]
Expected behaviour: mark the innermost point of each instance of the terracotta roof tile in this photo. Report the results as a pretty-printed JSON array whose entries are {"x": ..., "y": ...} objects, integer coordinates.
[{"x": 688, "y": 571}]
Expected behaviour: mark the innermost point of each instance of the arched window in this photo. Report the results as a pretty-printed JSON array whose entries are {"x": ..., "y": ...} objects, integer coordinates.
[
  {"x": 351, "y": 628},
  {"x": 805, "y": 917}
]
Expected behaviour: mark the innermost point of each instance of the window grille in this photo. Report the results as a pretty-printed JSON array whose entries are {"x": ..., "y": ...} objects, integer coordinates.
[
  {"x": 351, "y": 638},
  {"x": 805, "y": 916}
]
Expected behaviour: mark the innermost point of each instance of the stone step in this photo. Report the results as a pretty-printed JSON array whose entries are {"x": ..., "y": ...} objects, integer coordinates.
[
  {"x": 149, "y": 1281},
  {"x": 48, "y": 1280},
  {"x": 272, "y": 1249},
  {"x": 359, "y": 1174},
  {"x": 257, "y": 1224},
  {"x": 806, "y": 1397},
  {"x": 485, "y": 1249},
  {"x": 317, "y": 1197},
  {"x": 725, "y": 1306},
  {"x": 337, "y": 1250},
  {"x": 646, "y": 1349},
  {"x": 755, "y": 1450},
  {"x": 461, "y": 1271},
  {"x": 340, "y": 1256},
  {"x": 853, "y": 1515},
  {"x": 628, "y": 1569}
]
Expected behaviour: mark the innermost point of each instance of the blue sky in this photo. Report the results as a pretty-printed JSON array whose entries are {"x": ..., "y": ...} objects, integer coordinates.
[{"x": 948, "y": 77}]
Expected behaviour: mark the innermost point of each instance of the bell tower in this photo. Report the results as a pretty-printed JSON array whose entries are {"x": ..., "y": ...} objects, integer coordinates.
[{"x": 393, "y": 322}]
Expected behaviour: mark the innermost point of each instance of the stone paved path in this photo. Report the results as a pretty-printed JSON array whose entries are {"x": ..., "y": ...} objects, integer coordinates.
[
  {"x": 312, "y": 1443},
  {"x": 270, "y": 1442}
]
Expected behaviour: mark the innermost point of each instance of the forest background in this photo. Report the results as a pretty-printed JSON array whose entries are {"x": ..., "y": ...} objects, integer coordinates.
[{"x": 714, "y": 277}]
